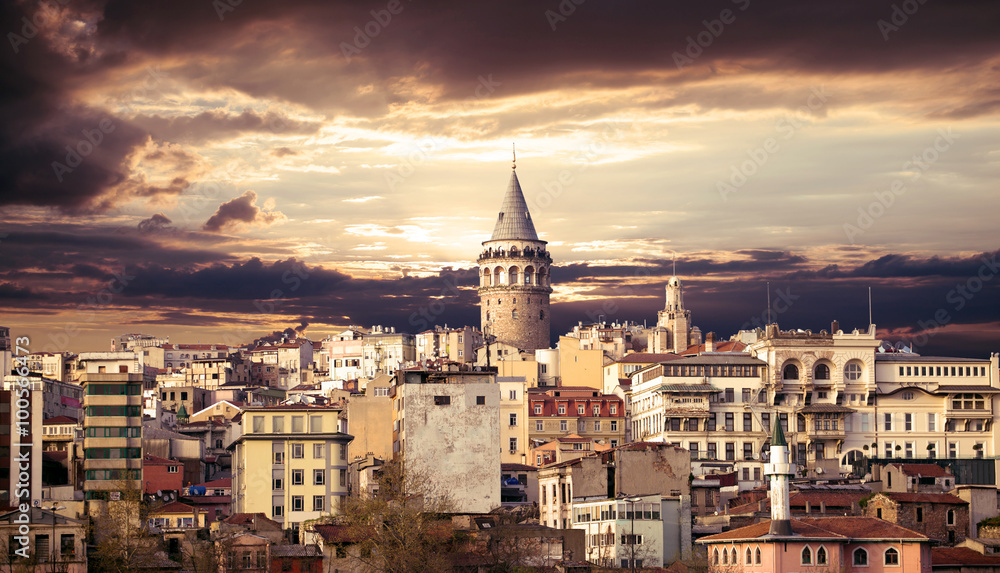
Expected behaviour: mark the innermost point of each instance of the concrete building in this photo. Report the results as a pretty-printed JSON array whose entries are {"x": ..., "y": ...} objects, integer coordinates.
[
  {"x": 384, "y": 351},
  {"x": 514, "y": 284},
  {"x": 177, "y": 356},
  {"x": 514, "y": 421},
  {"x": 619, "y": 373},
  {"x": 54, "y": 542},
  {"x": 112, "y": 424},
  {"x": 579, "y": 364},
  {"x": 134, "y": 341},
  {"x": 446, "y": 429},
  {"x": 344, "y": 352},
  {"x": 443, "y": 343},
  {"x": 715, "y": 405},
  {"x": 371, "y": 419},
  {"x": 21, "y": 439},
  {"x": 640, "y": 530},
  {"x": 290, "y": 463},
  {"x": 614, "y": 340}
]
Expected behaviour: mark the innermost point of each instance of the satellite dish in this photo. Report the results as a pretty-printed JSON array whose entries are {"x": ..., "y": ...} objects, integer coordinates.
[
  {"x": 159, "y": 493},
  {"x": 819, "y": 471}
]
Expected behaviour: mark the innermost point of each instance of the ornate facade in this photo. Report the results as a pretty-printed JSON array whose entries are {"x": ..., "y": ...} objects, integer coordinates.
[{"x": 514, "y": 283}]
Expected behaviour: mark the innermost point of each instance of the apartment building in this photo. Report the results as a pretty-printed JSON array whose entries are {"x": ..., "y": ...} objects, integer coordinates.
[
  {"x": 290, "y": 463},
  {"x": 514, "y": 424},
  {"x": 443, "y": 343},
  {"x": 557, "y": 411},
  {"x": 112, "y": 423}
]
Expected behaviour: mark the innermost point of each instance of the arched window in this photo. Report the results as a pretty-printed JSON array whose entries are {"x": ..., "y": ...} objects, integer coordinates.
[
  {"x": 715, "y": 557},
  {"x": 749, "y": 557},
  {"x": 791, "y": 372},
  {"x": 498, "y": 276},
  {"x": 807, "y": 555},
  {"x": 951, "y": 517},
  {"x": 513, "y": 314},
  {"x": 852, "y": 371},
  {"x": 734, "y": 559},
  {"x": 725, "y": 557},
  {"x": 821, "y": 556},
  {"x": 891, "y": 556},
  {"x": 822, "y": 372},
  {"x": 529, "y": 274},
  {"x": 541, "y": 315},
  {"x": 860, "y": 557},
  {"x": 756, "y": 556},
  {"x": 486, "y": 277},
  {"x": 514, "y": 271}
]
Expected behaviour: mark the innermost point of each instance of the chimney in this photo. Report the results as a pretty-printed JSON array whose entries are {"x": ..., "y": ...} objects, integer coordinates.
[
  {"x": 808, "y": 507},
  {"x": 710, "y": 342},
  {"x": 822, "y": 507},
  {"x": 834, "y": 327}
]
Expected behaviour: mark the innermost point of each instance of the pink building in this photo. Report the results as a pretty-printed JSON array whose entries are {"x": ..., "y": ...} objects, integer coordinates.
[{"x": 862, "y": 544}]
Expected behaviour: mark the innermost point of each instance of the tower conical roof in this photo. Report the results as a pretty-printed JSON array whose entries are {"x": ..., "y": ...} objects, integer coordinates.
[
  {"x": 778, "y": 437},
  {"x": 514, "y": 221}
]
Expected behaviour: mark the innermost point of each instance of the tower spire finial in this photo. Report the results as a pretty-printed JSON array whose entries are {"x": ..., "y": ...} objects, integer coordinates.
[
  {"x": 513, "y": 147},
  {"x": 675, "y": 263}
]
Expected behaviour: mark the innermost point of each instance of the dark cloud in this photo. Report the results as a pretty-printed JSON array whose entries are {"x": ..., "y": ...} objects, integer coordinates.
[
  {"x": 158, "y": 223},
  {"x": 242, "y": 211},
  {"x": 216, "y": 125}
]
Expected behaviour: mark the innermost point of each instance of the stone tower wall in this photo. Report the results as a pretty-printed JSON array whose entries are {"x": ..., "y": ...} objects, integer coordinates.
[{"x": 499, "y": 299}]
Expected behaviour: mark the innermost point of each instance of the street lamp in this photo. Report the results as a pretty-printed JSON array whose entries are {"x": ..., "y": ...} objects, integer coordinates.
[{"x": 52, "y": 541}]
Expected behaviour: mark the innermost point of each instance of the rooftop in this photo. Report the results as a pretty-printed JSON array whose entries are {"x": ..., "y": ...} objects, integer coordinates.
[{"x": 514, "y": 220}]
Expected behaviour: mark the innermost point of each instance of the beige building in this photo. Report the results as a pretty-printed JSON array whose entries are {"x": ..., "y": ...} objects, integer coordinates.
[
  {"x": 446, "y": 429},
  {"x": 513, "y": 420},
  {"x": 674, "y": 331},
  {"x": 112, "y": 423},
  {"x": 454, "y": 344},
  {"x": 383, "y": 351},
  {"x": 580, "y": 365},
  {"x": 514, "y": 285},
  {"x": 369, "y": 417},
  {"x": 177, "y": 356},
  {"x": 586, "y": 412},
  {"x": 290, "y": 463}
]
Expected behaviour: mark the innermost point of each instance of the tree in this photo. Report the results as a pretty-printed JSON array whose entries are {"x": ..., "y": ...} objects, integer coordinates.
[
  {"x": 402, "y": 528},
  {"x": 121, "y": 532}
]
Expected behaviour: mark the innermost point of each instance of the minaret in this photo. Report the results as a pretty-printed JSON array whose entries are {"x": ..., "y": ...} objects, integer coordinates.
[
  {"x": 781, "y": 472},
  {"x": 514, "y": 283}
]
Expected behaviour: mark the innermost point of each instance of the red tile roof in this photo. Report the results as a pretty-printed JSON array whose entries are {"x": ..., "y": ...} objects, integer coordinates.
[
  {"x": 648, "y": 357},
  {"x": 904, "y": 497},
  {"x": 150, "y": 459},
  {"x": 517, "y": 467},
  {"x": 339, "y": 534},
  {"x": 177, "y": 507},
  {"x": 941, "y": 556},
  {"x": 248, "y": 519},
  {"x": 925, "y": 470},
  {"x": 847, "y": 528},
  {"x": 59, "y": 420},
  {"x": 726, "y": 346}
]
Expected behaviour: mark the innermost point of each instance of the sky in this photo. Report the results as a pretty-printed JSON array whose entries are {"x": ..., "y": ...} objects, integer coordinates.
[{"x": 213, "y": 170}]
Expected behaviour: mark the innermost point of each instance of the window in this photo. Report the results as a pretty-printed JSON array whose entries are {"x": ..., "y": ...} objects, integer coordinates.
[
  {"x": 513, "y": 419},
  {"x": 746, "y": 400},
  {"x": 765, "y": 419},
  {"x": 729, "y": 422},
  {"x": 852, "y": 371},
  {"x": 891, "y": 556},
  {"x": 67, "y": 545},
  {"x": 318, "y": 451},
  {"x": 513, "y": 444},
  {"x": 538, "y": 409},
  {"x": 258, "y": 424},
  {"x": 171, "y": 469},
  {"x": 319, "y": 477},
  {"x": 730, "y": 451},
  {"x": 539, "y": 426},
  {"x": 318, "y": 502},
  {"x": 562, "y": 409},
  {"x": 562, "y": 426},
  {"x": 343, "y": 478},
  {"x": 951, "y": 517},
  {"x": 710, "y": 424},
  {"x": 931, "y": 422},
  {"x": 888, "y": 422},
  {"x": 277, "y": 483},
  {"x": 730, "y": 395},
  {"x": 747, "y": 451},
  {"x": 614, "y": 425},
  {"x": 908, "y": 422},
  {"x": 316, "y": 424},
  {"x": 297, "y": 503},
  {"x": 790, "y": 372},
  {"x": 711, "y": 453},
  {"x": 747, "y": 422},
  {"x": 614, "y": 409},
  {"x": 279, "y": 457},
  {"x": 806, "y": 556},
  {"x": 821, "y": 556},
  {"x": 297, "y": 477},
  {"x": 749, "y": 557},
  {"x": 920, "y": 514},
  {"x": 298, "y": 424},
  {"x": 278, "y": 510},
  {"x": 756, "y": 556},
  {"x": 513, "y": 394},
  {"x": 822, "y": 372},
  {"x": 597, "y": 425},
  {"x": 579, "y": 410},
  {"x": 968, "y": 402},
  {"x": 298, "y": 451},
  {"x": 442, "y": 400},
  {"x": 860, "y": 557}
]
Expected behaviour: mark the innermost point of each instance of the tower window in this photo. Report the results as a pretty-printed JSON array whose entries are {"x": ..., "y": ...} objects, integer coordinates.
[
  {"x": 513, "y": 314},
  {"x": 541, "y": 315}
]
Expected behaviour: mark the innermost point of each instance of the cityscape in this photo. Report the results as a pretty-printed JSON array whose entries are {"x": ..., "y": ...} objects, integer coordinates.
[{"x": 570, "y": 286}]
